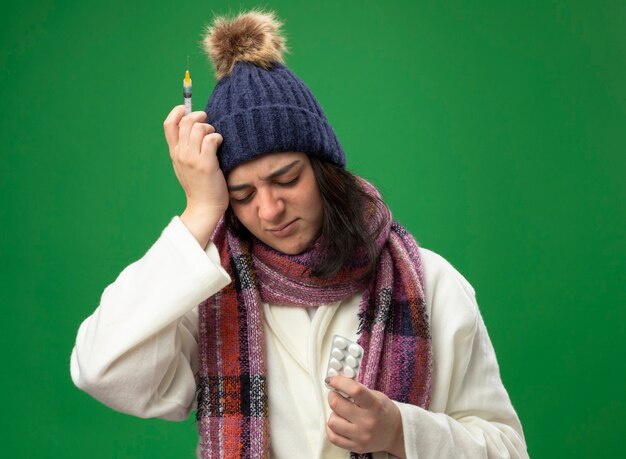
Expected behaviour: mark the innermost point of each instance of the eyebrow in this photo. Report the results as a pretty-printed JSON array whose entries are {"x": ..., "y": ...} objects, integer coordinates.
[{"x": 268, "y": 177}]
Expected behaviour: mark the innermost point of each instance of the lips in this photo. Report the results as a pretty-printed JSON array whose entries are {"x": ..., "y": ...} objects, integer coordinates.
[{"x": 284, "y": 230}]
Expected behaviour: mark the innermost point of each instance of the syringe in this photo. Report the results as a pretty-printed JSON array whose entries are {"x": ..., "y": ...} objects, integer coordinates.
[{"x": 187, "y": 91}]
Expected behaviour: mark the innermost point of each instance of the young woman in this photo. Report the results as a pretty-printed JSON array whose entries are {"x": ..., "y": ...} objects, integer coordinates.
[{"x": 232, "y": 311}]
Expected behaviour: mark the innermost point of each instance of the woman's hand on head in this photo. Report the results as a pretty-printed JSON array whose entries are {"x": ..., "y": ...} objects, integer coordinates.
[
  {"x": 193, "y": 148},
  {"x": 371, "y": 423}
]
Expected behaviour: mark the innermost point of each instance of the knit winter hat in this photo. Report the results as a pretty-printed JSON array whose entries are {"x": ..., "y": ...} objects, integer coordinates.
[{"x": 259, "y": 105}]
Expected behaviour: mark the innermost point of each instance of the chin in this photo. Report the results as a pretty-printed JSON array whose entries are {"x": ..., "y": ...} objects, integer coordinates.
[
  {"x": 291, "y": 247},
  {"x": 288, "y": 249}
]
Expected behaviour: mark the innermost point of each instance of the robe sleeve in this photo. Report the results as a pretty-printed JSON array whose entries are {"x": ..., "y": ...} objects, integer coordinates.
[
  {"x": 137, "y": 353},
  {"x": 470, "y": 414}
]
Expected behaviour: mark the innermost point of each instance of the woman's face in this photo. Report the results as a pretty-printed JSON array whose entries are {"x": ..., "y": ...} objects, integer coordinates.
[{"x": 275, "y": 196}]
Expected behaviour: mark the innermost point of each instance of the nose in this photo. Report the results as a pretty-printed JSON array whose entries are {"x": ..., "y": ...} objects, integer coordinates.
[{"x": 271, "y": 205}]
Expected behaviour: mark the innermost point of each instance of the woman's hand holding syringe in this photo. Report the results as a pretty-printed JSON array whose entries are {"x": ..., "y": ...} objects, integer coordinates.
[{"x": 193, "y": 148}]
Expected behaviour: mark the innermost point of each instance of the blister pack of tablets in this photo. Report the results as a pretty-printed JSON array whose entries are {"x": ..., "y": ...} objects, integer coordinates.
[{"x": 344, "y": 359}]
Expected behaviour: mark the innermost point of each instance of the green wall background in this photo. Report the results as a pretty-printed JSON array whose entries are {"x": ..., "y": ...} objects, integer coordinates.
[{"x": 495, "y": 130}]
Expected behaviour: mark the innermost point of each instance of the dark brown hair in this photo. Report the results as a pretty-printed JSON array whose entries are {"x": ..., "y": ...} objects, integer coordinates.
[{"x": 344, "y": 228}]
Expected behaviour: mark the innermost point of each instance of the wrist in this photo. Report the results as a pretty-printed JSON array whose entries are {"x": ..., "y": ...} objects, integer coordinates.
[
  {"x": 204, "y": 212},
  {"x": 201, "y": 222},
  {"x": 397, "y": 444}
]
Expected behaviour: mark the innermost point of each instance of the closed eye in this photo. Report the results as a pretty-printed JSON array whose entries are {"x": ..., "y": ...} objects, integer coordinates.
[
  {"x": 289, "y": 183},
  {"x": 248, "y": 197},
  {"x": 242, "y": 200}
]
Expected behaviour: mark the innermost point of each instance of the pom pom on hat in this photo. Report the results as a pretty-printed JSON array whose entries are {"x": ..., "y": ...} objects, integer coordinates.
[
  {"x": 258, "y": 104},
  {"x": 252, "y": 37}
]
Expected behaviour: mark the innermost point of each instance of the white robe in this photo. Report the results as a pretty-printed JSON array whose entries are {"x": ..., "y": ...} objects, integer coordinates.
[{"x": 138, "y": 354}]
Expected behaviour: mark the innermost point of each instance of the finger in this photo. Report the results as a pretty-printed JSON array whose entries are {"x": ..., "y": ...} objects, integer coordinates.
[
  {"x": 186, "y": 124},
  {"x": 341, "y": 426},
  {"x": 340, "y": 440},
  {"x": 361, "y": 395},
  {"x": 170, "y": 125},
  {"x": 210, "y": 144},
  {"x": 343, "y": 407},
  {"x": 198, "y": 132}
]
